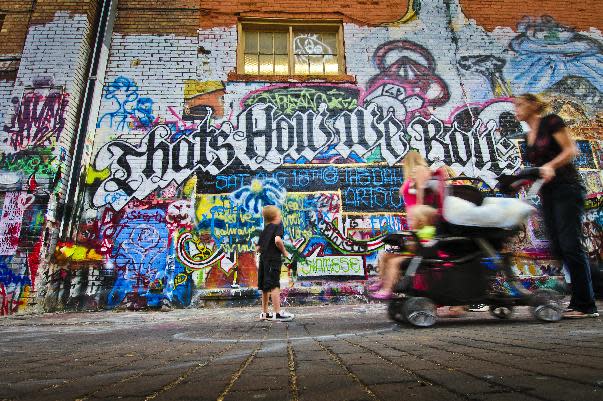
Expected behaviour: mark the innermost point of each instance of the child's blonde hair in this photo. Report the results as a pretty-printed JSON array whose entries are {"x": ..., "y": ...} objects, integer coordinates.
[
  {"x": 421, "y": 216},
  {"x": 411, "y": 161},
  {"x": 270, "y": 213},
  {"x": 450, "y": 173}
]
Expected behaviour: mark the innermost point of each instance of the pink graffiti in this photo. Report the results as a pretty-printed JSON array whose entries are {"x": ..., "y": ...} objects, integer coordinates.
[
  {"x": 15, "y": 204},
  {"x": 37, "y": 118},
  {"x": 414, "y": 68}
]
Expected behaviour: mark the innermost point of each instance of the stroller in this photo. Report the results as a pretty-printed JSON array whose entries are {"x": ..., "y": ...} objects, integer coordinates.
[{"x": 460, "y": 266}]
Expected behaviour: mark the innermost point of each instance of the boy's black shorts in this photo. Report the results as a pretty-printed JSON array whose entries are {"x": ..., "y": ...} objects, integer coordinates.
[{"x": 269, "y": 273}]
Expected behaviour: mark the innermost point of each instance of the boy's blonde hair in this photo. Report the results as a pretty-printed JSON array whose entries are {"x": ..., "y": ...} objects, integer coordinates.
[
  {"x": 270, "y": 213},
  {"x": 422, "y": 215},
  {"x": 411, "y": 161}
]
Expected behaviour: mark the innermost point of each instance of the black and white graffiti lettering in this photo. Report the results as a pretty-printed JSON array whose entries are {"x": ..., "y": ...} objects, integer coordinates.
[{"x": 266, "y": 139}]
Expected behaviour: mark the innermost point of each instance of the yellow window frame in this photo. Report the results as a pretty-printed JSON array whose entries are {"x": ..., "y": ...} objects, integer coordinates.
[{"x": 290, "y": 26}]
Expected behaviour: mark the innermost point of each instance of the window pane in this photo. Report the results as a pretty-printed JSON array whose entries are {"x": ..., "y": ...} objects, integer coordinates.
[
  {"x": 330, "y": 41},
  {"x": 310, "y": 43},
  {"x": 281, "y": 64},
  {"x": 251, "y": 64},
  {"x": 266, "y": 64},
  {"x": 301, "y": 65},
  {"x": 280, "y": 43},
  {"x": 268, "y": 52},
  {"x": 316, "y": 66},
  {"x": 266, "y": 43},
  {"x": 331, "y": 65},
  {"x": 251, "y": 42}
]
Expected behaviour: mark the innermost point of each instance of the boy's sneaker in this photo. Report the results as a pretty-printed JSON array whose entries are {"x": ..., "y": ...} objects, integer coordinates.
[
  {"x": 266, "y": 316},
  {"x": 479, "y": 308},
  {"x": 283, "y": 317}
]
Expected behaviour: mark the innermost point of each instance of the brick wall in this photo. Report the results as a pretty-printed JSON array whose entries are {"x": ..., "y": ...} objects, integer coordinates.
[
  {"x": 187, "y": 151},
  {"x": 14, "y": 27},
  {"x": 52, "y": 39}
]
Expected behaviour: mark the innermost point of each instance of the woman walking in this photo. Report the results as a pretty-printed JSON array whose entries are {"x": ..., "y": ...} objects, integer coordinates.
[{"x": 549, "y": 147}]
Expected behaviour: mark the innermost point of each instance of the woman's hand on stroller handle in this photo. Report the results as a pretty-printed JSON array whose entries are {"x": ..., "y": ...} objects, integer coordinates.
[{"x": 511, "y": 183}]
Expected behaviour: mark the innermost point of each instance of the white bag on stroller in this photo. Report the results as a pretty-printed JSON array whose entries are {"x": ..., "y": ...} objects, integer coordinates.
[{"x": 493, "y": 212}]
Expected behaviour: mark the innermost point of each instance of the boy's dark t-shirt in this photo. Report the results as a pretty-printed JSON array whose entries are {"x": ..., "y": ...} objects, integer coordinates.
[{"x": 266, "y": 242}]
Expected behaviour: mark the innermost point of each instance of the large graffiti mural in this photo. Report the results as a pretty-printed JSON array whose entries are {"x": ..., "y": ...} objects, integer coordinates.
[
  {"x": 184, "y": 152},
  {"x": 266, "y": 139}
]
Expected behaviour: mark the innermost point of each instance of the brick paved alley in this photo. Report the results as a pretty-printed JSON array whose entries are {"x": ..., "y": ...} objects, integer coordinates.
[{"x": 347, "y": 352}]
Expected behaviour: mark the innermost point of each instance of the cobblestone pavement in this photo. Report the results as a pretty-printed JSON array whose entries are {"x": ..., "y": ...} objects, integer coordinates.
[{"x": 348, "y": 352}]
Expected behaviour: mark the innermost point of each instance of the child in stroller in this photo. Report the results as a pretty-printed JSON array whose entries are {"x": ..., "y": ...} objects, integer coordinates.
[{"x": 459, "y": 266}]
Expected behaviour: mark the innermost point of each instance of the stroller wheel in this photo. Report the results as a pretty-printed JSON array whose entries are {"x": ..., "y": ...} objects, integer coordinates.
[
  {"x": 501, "y": 312},
  {"x": 395, "y": 310},
  {"x": 546, "y": 306},
  {"x": 420, "y": 312}
]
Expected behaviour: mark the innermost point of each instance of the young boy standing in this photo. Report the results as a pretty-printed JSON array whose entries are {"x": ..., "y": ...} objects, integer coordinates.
[{"x": 271, "y": 249}]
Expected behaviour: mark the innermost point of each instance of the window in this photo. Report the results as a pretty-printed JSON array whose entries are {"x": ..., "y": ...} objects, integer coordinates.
[
  {"x": 292, "y": 48},
  {"x": 2, "y": 21}
]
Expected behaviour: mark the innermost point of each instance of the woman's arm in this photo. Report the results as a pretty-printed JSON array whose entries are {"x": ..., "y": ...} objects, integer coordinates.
[{"x": 568, "y": 152}]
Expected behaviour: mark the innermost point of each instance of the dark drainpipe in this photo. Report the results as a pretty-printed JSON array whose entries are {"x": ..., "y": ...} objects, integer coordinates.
[{"x": 104, "y": 28}]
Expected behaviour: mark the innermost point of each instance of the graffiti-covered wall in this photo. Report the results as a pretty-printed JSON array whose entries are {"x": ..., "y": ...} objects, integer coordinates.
[
  {"x": 187, "y": 149},
  {"x": 43, "y": 52}
]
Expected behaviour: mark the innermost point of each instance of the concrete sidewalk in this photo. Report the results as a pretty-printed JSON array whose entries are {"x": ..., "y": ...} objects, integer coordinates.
[{"x": 350, "y": 352}]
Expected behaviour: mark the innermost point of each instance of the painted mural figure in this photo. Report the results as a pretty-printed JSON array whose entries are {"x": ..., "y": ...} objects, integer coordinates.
[
  {"x": 547, "y": 52},
  {"x": 123, "y": 92}
]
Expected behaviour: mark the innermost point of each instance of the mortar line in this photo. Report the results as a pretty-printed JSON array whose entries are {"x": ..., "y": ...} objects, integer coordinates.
[
  {"x": 117, "y": 366},
  {"x": 493, "y": 362},
  {"x": 550, "y": 337},
  {"x": 166, "y": 363},
  {"x": 242, "y": 368},
  {"x": 509, "y": 388},
  {"x": 525, "y": 347},
  {"x": 520, "y": 355},
  {"x": 343, "y": 366},
  {"x": 423, "y": 379},
  {"x": 292, "y": 372},
  {"x": 138, "y": 374},
  {"x": 193, "y": 369}
]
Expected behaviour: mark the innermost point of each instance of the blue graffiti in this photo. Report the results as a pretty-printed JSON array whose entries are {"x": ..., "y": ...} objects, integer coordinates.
[
  {"x": 585, "y": 158},
  {"x": 131, "y": 108},
  {"x": 9, "y": 278},
  {"x": 12, "y": 286},
  {"x": 252, "y": 198},
  {"x": 547, "y": 52},
  {"x": 142, "y": 264}
]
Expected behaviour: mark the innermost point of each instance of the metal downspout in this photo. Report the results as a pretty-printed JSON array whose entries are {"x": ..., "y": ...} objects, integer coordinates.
[{"x": 93, "y": 91}]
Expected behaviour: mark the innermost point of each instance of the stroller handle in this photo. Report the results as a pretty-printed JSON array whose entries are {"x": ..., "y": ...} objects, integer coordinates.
[
  {"x": 510, "y": 184},
  {"x": 461, "y": 178}
]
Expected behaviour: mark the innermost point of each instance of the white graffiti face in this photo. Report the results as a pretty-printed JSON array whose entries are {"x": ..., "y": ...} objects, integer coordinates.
[{"x": 180, "y": 213}]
